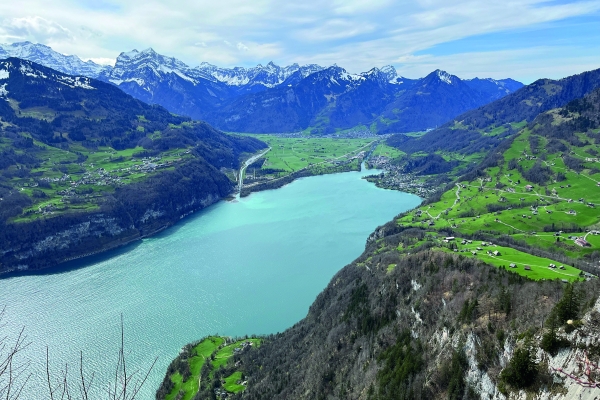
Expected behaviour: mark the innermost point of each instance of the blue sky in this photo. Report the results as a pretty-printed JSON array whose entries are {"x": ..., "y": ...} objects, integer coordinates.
[{"x": 525, "y": 39}]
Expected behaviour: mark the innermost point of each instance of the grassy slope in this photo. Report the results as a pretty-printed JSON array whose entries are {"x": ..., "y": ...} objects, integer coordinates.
[
  {"x": 202, "y": 352},
  {"x": 464, "y": 208},
  {"x": 105, "y": 167}
]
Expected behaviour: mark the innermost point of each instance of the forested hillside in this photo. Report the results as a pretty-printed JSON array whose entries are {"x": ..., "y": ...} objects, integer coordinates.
[
  {"x": 425, "y": 325},
  {"x": 84, "y": 166},
  {"x": 483, "y": 128},
  {"x": 487, "y": 290}
]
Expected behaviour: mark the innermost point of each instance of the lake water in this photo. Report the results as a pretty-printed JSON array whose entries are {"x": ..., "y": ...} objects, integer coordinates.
[{"x": 247, "y": 267}]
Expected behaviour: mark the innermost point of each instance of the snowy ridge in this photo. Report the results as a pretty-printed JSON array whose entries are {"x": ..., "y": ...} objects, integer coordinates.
[
  {"x": 445, "y": 77},
  {"x": 147, "y": 65},
  {"x": 26, "y": 68},
  {"x": 44, "y": 55},
  {"x": 268, "y": 76},
  {"x": 133, "y": 65}
]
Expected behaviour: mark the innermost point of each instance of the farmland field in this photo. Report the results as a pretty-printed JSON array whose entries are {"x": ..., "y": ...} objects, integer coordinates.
[{"x": 292, "y": 154}]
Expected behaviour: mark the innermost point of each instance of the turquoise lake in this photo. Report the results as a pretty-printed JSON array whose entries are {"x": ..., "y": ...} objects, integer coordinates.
[{"x": 247, "y": 267}]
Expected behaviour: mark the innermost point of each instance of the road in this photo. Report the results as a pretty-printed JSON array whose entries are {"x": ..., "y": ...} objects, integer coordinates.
[
  {"x": 302, "y": 169},
  {"x": 246, "y": 164}
]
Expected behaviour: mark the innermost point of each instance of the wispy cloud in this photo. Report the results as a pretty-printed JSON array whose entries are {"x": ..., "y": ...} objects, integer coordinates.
[
  {"x": 352, "y": 33},
  {"x": 34, "y": 28}
]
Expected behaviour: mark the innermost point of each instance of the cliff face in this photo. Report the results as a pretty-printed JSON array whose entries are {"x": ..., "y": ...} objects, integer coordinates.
[
  {"x": 425, "y": 325},
  {"x": 128, "y": 216}
]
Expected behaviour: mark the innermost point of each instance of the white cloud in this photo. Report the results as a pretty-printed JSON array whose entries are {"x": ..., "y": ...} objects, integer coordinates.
[
  {"x": 352, "y": 33},
  {"x": 334, "y": 29},
  {"x": 36, "y": 29}
]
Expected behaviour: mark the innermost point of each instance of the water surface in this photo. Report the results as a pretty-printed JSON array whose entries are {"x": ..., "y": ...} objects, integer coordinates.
[{"x": 247, "y": 267}]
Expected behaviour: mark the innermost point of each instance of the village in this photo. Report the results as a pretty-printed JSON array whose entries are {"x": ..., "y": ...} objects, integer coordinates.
[
  {"x": 393, "y": 177},
  {"x": 79, "y": 188}
]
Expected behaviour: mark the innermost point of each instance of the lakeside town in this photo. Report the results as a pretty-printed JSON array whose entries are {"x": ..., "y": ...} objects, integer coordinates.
[{"x": 393, "y": 177}]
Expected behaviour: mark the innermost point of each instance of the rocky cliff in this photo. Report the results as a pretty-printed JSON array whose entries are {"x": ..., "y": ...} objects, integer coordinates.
[
  {"x": 131, "y": 214},
  {"x": 423, "y": 325}
]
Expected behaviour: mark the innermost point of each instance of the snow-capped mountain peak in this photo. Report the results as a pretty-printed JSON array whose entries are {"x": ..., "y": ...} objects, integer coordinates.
[
  {"x": 444, "y": 76},
  {"x": 269, "y": 76},
  {"x": 44, "y": 55},
  {"x": 391, "y": 74}
]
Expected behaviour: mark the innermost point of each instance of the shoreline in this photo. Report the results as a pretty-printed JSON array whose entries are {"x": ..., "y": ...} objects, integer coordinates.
[
  {"x": 110, "y": 246},
  {"x": 132, "y": 238},
  {"x": 301, "y": 173}
]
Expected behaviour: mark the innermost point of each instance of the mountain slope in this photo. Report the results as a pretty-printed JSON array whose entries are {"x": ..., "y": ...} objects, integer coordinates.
[
  {"x": 259, "y": 77},
  {"x": 85, "y": 167},
  {"x": 284, "y": 99},
  {"x": 332, "y": 99},
  {"x": 44, "y": 55},
  {"x": 432, "y": 101},
  {"x": 478, "y": 129},
  {"x": 502, "y": 87},
  {"x": 156, "y": 79},
  {"x": 489, "y": 291}
]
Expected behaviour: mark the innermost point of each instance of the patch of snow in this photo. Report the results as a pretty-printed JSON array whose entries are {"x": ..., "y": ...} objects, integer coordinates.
[
  {"x": 130, "y": 54},
  {"x": 3, "y": 91},
  {"x": 83, "y": 83},
  {"x": 351, "y": 77},
  {"x": 116, "y": 81},
  {"x": 139, "y": 81},
  {"x": 28, "y": 71},
  {"x": 184, "y": 76},
  {"x": 4, "y": 74},
  {"x": 234, "y": 80},
  {"x": 211, "y": 92},
  {"x": 444, "y": 77},
  {"x": 75, "y": 82}
]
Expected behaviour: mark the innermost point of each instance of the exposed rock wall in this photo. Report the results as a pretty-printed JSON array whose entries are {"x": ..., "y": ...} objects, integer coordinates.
[{"x": 48, "y": 243}]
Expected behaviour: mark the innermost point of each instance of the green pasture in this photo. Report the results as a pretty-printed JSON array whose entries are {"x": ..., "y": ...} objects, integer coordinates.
[
  {"x": 383, "y": 149},
  {"x": 202, "y": 353},
  {"x": 231, "y": 385},
  {"x": 226, "y": 352},
  {"x": 55, "y": 162},
  {"x": 539, "y": 266},
  {"x": 293, "y": 154},
  {"x": 499, "y": 202}
]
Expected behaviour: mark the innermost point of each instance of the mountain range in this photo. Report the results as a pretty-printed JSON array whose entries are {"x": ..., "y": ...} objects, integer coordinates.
[
  {"x": 271, "y": 98},
  {"x": 483, "y": 128}
]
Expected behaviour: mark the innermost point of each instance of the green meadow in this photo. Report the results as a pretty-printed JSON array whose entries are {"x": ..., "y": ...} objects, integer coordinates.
[
  {"x": 103, "y": 168},
  {"x": 501, "y": 201},
  {"x": 292, "y": 154},
  {"x": 211, "y": 350}
]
